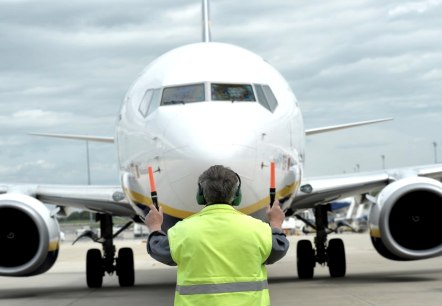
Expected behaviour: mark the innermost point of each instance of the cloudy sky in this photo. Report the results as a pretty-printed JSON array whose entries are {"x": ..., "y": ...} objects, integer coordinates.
[{"x": 65, "y": 68}]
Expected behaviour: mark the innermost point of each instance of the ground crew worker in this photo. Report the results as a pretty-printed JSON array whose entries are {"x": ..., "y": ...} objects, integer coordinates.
[{"x": 221, "y": 253}]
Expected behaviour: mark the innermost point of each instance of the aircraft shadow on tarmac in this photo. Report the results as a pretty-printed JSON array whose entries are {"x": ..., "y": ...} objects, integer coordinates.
[
  {"x": 167, "y": 288},
  {"x": 368, "y": 278},
  {"x": 72, "y": 291}
]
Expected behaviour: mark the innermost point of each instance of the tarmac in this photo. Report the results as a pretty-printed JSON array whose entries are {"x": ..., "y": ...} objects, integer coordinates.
[{"x": 370, "y": 280}]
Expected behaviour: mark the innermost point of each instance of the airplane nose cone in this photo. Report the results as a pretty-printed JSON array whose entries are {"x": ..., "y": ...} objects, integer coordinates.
[
  {"x": 230, "y": 141},
  {"x": 215, "y": 133}
]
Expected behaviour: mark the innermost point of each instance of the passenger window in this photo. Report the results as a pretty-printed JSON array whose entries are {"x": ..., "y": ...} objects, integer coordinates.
[
  {"x": 232, "y": 92},
  {"x": 183, "y": 94}
]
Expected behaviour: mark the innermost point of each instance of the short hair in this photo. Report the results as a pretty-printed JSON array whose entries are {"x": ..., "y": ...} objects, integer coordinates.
[{"x": 219, "y": 184}]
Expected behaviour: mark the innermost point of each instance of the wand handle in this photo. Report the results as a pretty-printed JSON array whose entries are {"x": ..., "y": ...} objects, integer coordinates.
[{"x": 272, "y": 183}]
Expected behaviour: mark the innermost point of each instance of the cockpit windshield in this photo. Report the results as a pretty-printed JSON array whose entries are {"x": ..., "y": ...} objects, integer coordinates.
[
  {"x": 206, "y": 92},
  {"x": 183, "y": 94},
  {"x": 232, "y": 92}
]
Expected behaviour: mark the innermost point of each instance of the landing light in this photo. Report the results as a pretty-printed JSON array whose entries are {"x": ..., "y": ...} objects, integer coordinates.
[
  {"x": 118, "y": 196},
  {"x": 306, "y": 188}
]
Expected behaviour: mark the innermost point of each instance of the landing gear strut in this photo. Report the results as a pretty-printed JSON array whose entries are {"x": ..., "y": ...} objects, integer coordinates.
[
  {"x": 97, "y": 264},
  {"x": 331, "y": 254}
]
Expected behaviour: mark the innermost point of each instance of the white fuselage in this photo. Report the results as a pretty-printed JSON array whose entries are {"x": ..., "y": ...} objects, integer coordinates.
[{"x": 182, "y": 139}]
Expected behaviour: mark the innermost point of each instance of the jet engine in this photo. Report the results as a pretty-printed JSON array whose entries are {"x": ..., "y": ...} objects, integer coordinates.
[
  {"x": 29, "y": 236},
  {"x": 405, "y": 222}
]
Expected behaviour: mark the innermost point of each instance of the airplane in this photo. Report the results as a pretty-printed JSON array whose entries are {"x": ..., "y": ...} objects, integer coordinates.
[
  {"x": 212, "y": 103},
  {"x": 346, "y": 214}
]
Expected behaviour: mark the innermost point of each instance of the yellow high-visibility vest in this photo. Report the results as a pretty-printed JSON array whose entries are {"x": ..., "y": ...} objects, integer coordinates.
[{"x": 220, "y": 253}]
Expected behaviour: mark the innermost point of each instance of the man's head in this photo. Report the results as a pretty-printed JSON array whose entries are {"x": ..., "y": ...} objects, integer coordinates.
[{"x": 219, "y": 184}]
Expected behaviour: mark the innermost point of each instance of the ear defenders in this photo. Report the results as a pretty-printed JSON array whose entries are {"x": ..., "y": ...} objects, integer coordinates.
[
  {"x": 200, "y": 196},
  {"x": 236, "y": 200}
]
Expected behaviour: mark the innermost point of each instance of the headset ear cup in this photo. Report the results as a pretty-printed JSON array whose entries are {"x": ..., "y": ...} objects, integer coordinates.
[
  {"x": 238, "y": 197},
  {"x": 200, "y": 196}
]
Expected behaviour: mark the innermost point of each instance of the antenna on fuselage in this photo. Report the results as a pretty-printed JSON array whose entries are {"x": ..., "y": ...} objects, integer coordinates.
[{"x": 206, "y": 21}]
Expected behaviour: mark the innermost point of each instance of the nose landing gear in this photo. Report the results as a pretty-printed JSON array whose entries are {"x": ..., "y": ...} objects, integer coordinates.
[
  {"x": 97, "y": 264},
  {"x": 331, "y": 254}
]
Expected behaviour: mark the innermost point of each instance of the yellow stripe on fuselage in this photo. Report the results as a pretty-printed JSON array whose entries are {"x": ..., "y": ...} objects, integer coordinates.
[
  {"x": 143, "y": 200},
  {"x": 284, "y": 192},
  {"x": 182, "y": 214}
]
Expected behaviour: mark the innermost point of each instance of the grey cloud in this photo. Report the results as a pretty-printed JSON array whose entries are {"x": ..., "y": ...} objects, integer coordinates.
[{"x": 346, "y": 61}]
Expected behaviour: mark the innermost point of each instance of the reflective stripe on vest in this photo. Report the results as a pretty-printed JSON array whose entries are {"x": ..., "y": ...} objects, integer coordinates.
[{"x": 222, "y": 288}]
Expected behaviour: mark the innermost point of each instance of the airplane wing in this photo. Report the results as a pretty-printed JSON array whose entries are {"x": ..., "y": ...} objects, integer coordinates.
[
  {"x": 101, "y": 199},
  {"x": 322, "y": 190},
  {"x": 105, "y": 139},
  {"x": 405, "y": 207},
  {"x": 332, "y": 128},
  {"x": 27, "y": 221}
]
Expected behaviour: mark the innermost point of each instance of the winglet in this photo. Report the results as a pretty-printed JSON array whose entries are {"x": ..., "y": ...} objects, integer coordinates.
[
  {"x": 343, "y": 126},
  {"x": 206, "y": 22}
]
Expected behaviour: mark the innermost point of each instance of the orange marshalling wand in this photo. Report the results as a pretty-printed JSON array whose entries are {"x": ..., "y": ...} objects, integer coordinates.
[
  {"x": 272, "y": 183},
  {"x": 153, "y": 189}
]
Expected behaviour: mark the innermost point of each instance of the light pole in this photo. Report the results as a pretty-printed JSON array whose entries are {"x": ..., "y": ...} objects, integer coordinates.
[
  {"x": 435, "y": 152},
  {"x": 87, "y": 163},
  {"x": 383, "y": 161},
  {"x": 88, "y": 175}
]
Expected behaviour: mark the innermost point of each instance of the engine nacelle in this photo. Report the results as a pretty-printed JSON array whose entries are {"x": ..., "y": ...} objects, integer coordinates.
[
  {"x": 29, "y": 236},
  {"x": 405, "y": 222}
]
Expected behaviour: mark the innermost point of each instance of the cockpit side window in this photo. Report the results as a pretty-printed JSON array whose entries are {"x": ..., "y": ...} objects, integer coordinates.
[
  {"x": 150, "y": 101},
  {"x": 232, "y": 92},
  {"x": 271, "y": 99},
  {"x": 266, "y": 97},
  {"x": 183, "y": 94},
  {"x": 144, "y": 105},
  {"x": 154, "y": 101}
]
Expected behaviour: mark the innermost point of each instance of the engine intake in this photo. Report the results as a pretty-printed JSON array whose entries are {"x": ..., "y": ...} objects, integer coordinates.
[
  {"x": 29, "y": 236},
  {"x": 405, "y": 222}
]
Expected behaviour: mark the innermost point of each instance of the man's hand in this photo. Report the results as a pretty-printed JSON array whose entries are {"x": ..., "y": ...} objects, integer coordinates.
[
  {"x": 154, "y": 219},
  {"x": 275, "y": 215}
]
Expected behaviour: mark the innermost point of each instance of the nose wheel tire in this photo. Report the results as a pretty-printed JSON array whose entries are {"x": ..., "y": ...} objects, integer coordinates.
[
  {"x": 94, "y": 268},
  {"x": 336, "y": 258},
  {"x": 305, "y": 259},
  {"x": 125, "y": 267}
]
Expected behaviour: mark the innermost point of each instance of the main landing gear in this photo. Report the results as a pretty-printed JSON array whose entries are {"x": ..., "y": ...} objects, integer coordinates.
[
  {"x": 97, "y": 263},
  {"x": 331, "y": 254}
]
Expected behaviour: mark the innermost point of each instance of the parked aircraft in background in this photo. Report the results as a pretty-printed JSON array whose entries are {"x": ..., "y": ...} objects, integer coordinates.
[
  {"x": 213, "y": 103},
  {"x": 343, "y": 215}
]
